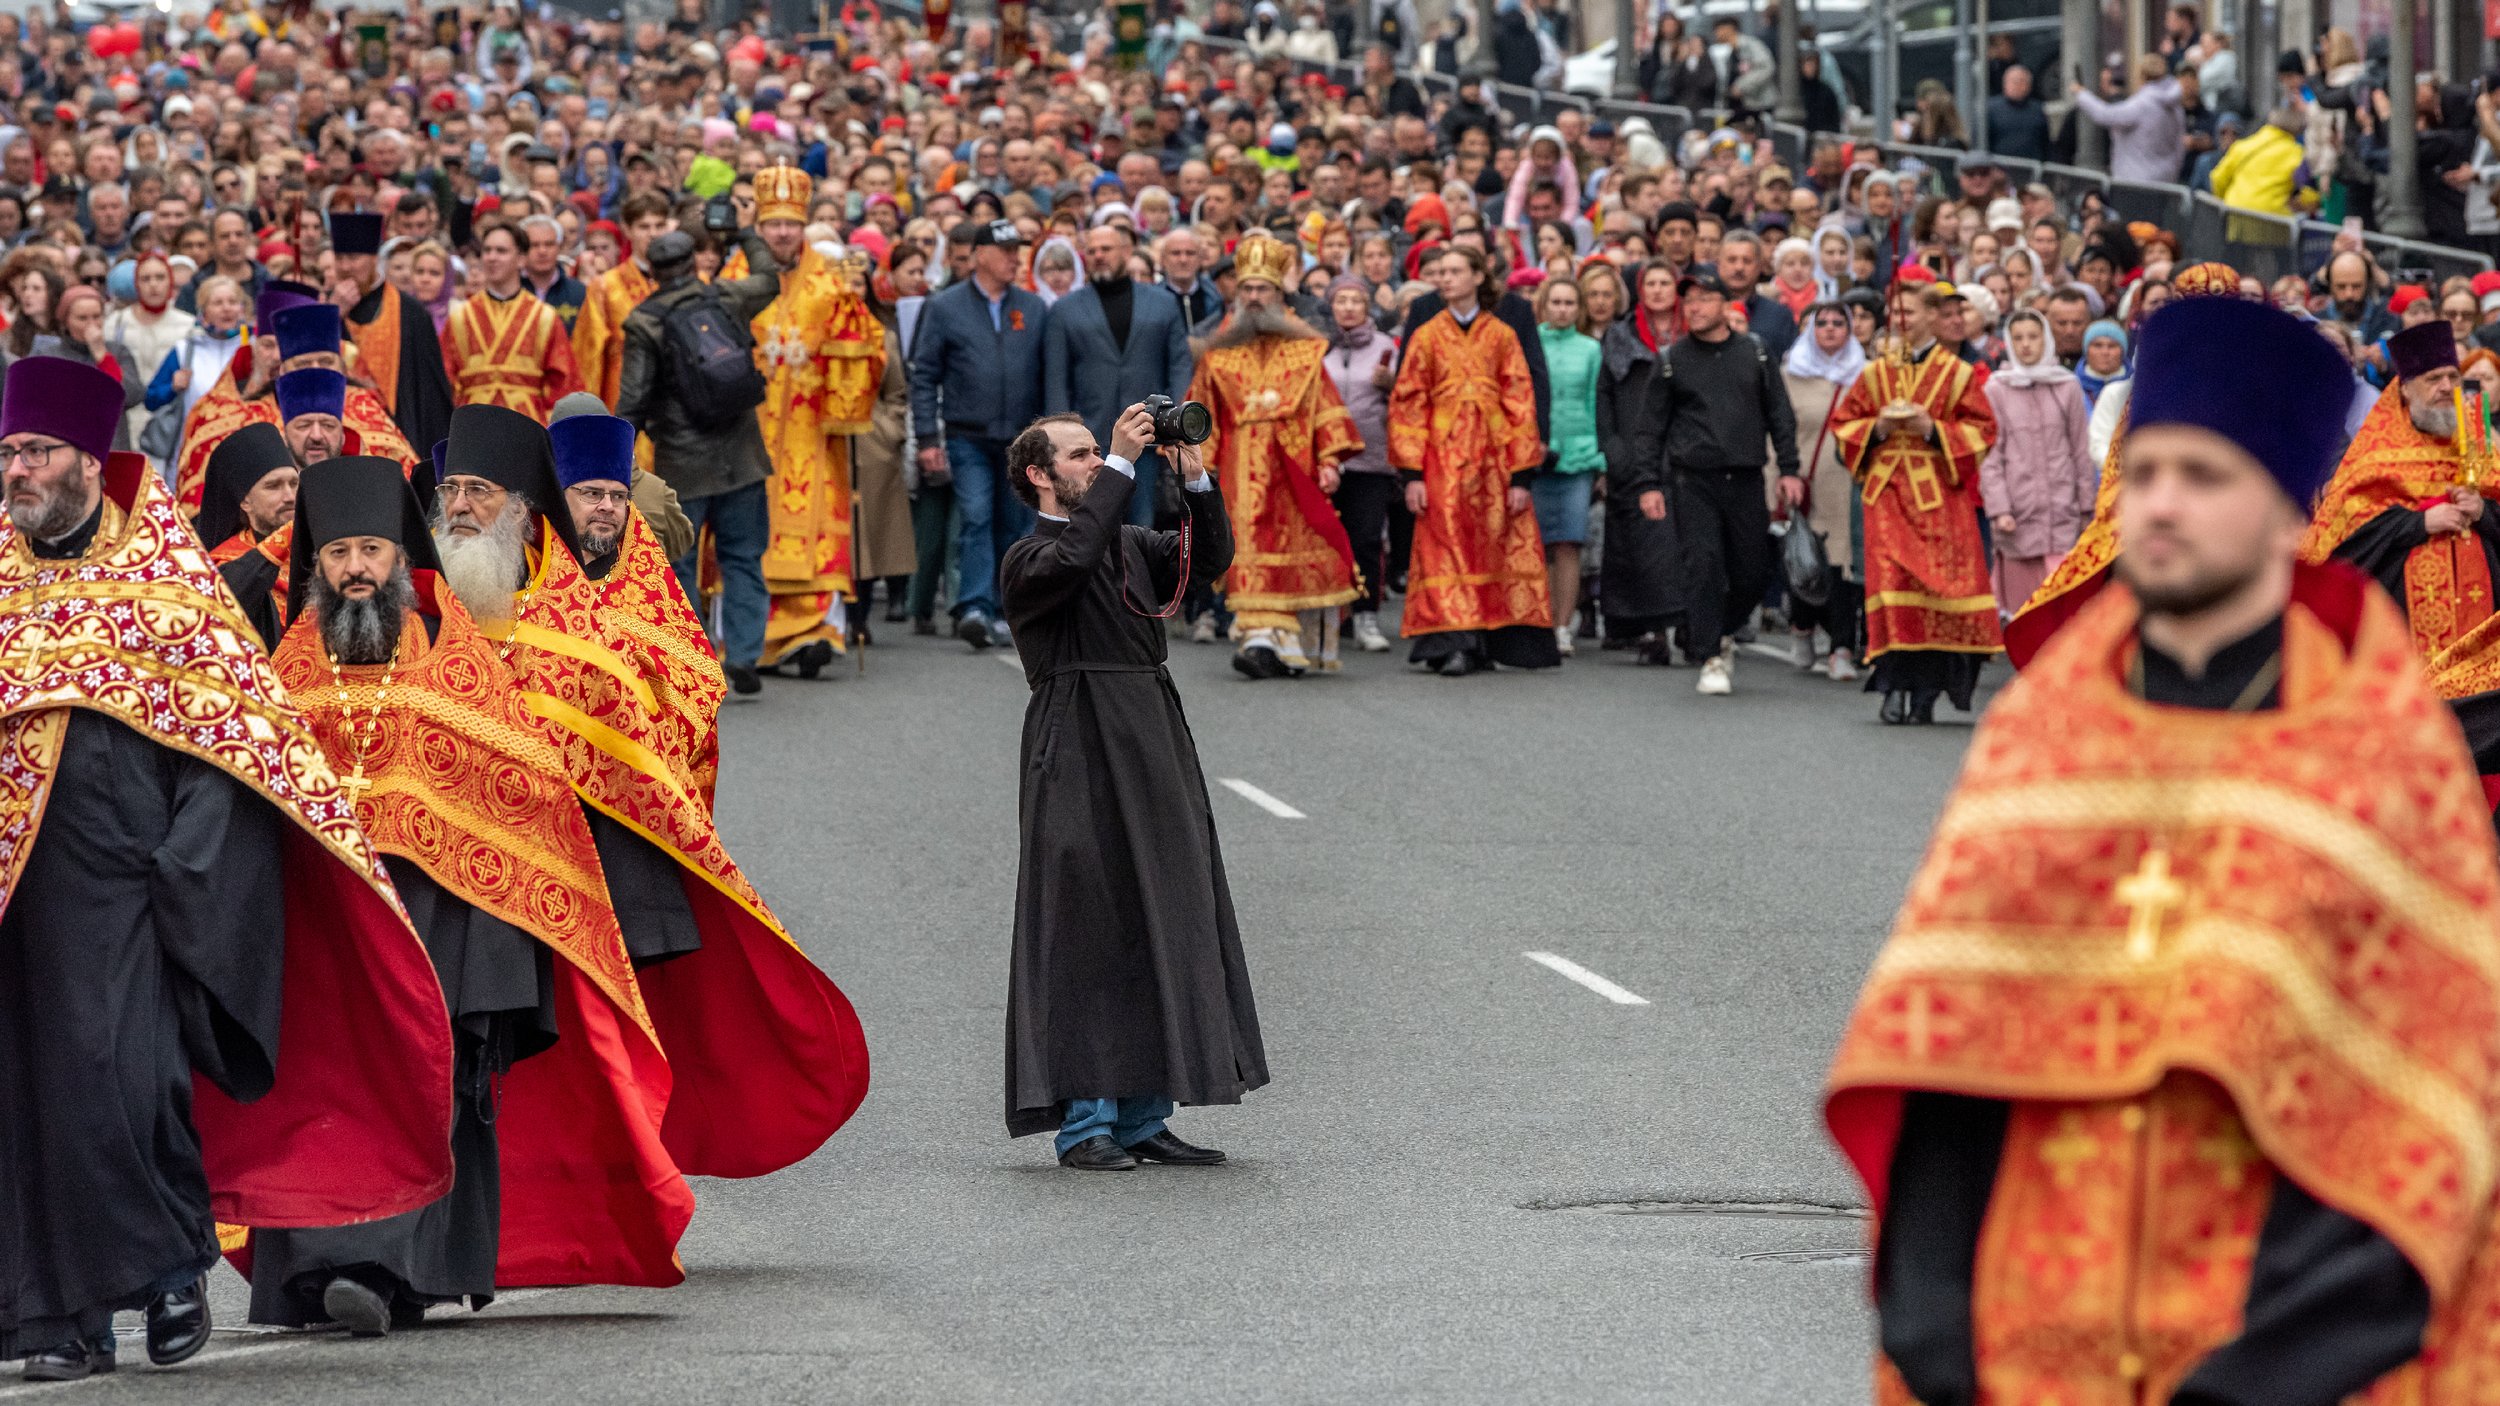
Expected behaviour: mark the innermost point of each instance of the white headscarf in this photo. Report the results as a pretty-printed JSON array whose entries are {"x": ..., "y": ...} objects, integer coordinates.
[
  {"x": 1808, "y": 361},
  {"x": 2044, "y": 372}
]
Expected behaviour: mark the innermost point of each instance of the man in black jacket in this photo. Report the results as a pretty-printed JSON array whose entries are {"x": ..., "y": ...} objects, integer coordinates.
[
  {"x": 719, "y": 474},
  {"x": 1717, "y": 401}
]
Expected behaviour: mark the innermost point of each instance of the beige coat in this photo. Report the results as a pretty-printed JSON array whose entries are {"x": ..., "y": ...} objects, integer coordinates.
[
  {"x": 882, "y": 542},
  {"x": 1812, "y": 398}
]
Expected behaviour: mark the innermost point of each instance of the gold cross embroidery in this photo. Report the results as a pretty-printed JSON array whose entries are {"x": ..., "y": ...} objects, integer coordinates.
[
  {"x": 355, "y": 786},
  {"x": 2231, "y": 1154},
  {"x": 1924, "y": 1020},
  {"x": 2069, "y": 1150},
  {"x": 2149, "y": 894}
]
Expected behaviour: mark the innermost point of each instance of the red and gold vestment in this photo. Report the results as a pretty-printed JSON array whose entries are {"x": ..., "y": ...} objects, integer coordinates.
[
  {"x": 1278, "y": 422},
  {"x": 1926, "y": 574},
  {"x": 1464, "y": 412}
]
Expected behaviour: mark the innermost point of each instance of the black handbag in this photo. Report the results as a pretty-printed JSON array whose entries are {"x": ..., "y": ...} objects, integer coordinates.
[{"x": 1807, "y": 566}]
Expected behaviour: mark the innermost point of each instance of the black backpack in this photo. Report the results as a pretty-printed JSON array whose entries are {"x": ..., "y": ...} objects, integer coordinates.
[{"x": 711, "y": 362}]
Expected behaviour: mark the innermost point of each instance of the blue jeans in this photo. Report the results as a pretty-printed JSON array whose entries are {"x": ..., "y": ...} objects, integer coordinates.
[
  {"x": 742, "y": 526},
  {"x": 993, "y": 518},
  {"x": 1142, "y": 499},
  {"x": 1129, "y": 1121}
]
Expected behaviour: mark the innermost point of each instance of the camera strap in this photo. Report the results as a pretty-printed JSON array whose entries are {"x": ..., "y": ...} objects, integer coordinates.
[{"x": 1180, "y": 588}]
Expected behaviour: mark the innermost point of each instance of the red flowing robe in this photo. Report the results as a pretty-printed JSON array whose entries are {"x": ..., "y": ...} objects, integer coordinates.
[
  {"x": 2195, "y": 952},
  {"x": 1463, "y": 413},
  {"x": 1926, "y": 575},
  {"x": 512, "y": 352},
  {"x": 1278, "y": 422},
  {"x": 768, "y": 1055},
  {"x": 356, "y": 1124},
  {"x": 462, "y": 782}
]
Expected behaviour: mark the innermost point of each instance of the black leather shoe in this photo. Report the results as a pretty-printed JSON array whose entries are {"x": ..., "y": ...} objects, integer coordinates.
[
  {"x": 1459, "y": 665},
  {"x": 1097, "y": 1154},
  {"x": 811, "y": 658},
  {"x": 1167, "y": 1149},
  {"x": 178, "y": 1323},
  {"x": 72, "y": 1362},
  {"x": 745, "y": 684},
  {"x": 924, "y": 627},
  {"x": 1923, "y": 706},
  {"x": 974, "y": 629},
  {"x": 1897, "y": 706},
  {"x": 361, "y": 1311}
]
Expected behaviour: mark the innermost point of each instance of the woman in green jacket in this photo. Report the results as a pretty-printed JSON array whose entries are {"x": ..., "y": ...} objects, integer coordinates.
[{"x": 1561, "y": 489}]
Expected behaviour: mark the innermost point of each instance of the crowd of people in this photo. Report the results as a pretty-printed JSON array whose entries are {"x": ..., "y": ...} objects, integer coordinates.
[{"x": 979, "y": 225}]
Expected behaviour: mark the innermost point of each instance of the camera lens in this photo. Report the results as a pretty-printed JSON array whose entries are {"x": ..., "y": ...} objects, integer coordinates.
[{"x": 1194, "y": 421}]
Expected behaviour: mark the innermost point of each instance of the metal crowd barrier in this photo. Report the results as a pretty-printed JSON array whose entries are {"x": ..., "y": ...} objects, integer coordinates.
[{"x": 2261, "y": 244}]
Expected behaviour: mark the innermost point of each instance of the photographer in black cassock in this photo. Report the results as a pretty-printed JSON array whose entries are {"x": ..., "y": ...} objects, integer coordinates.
[{"x": 1127, "y": 992}]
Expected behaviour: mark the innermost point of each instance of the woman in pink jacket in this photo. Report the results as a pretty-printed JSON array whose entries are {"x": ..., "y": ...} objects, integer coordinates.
[{"x": 2038, "y": 480}]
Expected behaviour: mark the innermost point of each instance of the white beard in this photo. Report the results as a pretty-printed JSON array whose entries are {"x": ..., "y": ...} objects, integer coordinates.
[{"x": 485, "y": 569}]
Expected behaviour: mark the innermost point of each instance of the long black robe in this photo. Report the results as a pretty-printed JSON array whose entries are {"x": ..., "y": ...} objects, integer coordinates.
[
  {"x": 499, "y": 985},
  {"x": 423, "y": 401},
  {"x": 2332, "y": 1304},
  {"x": 144, "y": 944},
  {"x": 2382, "y": 545},
  {"x": 647, "y": 887},
  {"x": 253, "y": 578},
  {"x": 1127, "y": 977},
  {"x": 1636, "y": 570}
]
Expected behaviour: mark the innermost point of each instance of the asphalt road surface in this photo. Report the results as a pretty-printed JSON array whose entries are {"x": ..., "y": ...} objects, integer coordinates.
[{"x": 1476, "y": 1177}]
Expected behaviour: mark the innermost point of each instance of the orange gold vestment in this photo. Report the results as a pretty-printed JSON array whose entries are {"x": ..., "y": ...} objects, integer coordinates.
[
  {"x": 767, "y": 1053},
  {"x": 1278, "y": 422},
  {"x": 1926, "y": 575},
  {"x": 822, "y": 354},
  {"x": 460, "y": 780},
  {"x": 2197, "y": 950},
  {"x": 141, "y": 631},
  {"x": 647, "y": 607},
  {"x": 511, "y": 352},
  {"x": 377, "y": 349},
  {"x": 1464, "y": 412},
  {"x": 2389, "y": 465},
  {"x": 599, "y": 330},
  {"x": 222, "y": 411}
]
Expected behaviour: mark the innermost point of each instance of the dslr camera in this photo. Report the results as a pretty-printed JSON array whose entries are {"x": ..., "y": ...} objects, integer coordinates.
[
  {"x": 720, "y": 215},
  {"x": 1179, "y": 422}
]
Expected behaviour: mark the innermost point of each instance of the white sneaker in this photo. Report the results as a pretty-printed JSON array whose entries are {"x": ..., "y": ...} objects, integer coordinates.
[
  {"x": 1801, "y": 648},
  {"x": 1367, "y": 633},
  {"x": 1718, "y": 676},
  {"x": 1562, "y": 640},
  {"x": 1204, "y": 631},
  {"x": 1841, "y": 668}
]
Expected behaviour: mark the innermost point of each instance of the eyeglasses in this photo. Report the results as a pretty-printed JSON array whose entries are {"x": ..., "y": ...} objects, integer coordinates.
[
  {"x": 599, "y": 497},
  {"x": 479, "y": 491},
  {"x": 37, "y": 456}
]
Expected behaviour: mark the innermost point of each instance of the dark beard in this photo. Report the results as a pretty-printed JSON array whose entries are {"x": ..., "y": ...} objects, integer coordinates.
[
  {"x": 1249, "y": 324},
  {"x": 599, "y": 542},
  {"x": 363, "y": 631}
]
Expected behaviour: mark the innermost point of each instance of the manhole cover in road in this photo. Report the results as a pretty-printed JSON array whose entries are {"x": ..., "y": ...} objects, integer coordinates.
[
  {"x": 1806, "y": 1257},
  {"x": 1757, "y": 1210}
]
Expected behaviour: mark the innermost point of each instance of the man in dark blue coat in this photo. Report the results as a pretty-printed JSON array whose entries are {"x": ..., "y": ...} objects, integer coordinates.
[
  {"x": 976, "y": 382},
  {"x": 1111, "y": 344}
]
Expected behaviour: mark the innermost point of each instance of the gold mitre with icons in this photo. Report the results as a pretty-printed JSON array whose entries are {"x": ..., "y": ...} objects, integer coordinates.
[
  {"x": 781, "y": 193},
  {"x": 1265, "y": 258}
]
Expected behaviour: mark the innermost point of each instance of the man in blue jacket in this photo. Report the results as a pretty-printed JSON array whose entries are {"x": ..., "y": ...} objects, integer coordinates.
[
  {"x": 1111, "y": 344},
  {"x": 976, "y": 382}
]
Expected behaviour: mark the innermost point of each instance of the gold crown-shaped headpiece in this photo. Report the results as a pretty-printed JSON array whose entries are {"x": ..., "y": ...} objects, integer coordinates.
[
  {"x": 781, "y": 193},
  {"x": 1264, "y": 257}
]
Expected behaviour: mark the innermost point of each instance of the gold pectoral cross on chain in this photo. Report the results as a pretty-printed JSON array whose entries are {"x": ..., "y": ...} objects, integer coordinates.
[
  {"x": 355, "y": 786},
  {"x": 2151, "y": 895}
]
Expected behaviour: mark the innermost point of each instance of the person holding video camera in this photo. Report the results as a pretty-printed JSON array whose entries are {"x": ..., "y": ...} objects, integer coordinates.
[
  {"x": 1127, "y": 992},
  {"x": 691, "y": 384}
]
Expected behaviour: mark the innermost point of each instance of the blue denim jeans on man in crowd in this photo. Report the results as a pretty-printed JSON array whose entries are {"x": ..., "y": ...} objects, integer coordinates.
[
  {"x": 993, "y": 518},
  {"x": 742, "y": 526},
  {"x": 1129, "y": 1121}
]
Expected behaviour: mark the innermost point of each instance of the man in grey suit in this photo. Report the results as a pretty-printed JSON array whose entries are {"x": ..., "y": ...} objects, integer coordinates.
[{"x": 1111, "y": 344}]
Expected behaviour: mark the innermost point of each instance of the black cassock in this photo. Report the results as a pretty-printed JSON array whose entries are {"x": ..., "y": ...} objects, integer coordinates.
[
  {"x": 1127, "y": 978},
  {"x": 499, "y": 985},
  {"x": 144, "y": 943},
  {"x": 647, "y": 886},
  {"x": 2382, "y": 545},
  {"x": 253, "y": 578},
  {"x": 423, "y": 402}
]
